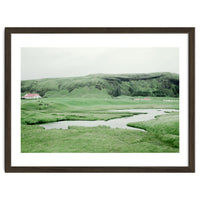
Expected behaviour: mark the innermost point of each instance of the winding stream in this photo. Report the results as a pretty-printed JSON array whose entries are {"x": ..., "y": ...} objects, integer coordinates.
[{"x": 113, "y": 123}]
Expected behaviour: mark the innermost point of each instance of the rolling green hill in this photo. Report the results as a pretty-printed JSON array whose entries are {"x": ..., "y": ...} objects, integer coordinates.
[{"x": 105, "y": 85}]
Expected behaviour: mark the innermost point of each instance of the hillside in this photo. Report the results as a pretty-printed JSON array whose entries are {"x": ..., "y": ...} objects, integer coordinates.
[{"x": 105, "y": 85}]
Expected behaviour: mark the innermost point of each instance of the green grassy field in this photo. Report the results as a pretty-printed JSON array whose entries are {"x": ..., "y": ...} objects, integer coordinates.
[{"x": 162, "y": 133}]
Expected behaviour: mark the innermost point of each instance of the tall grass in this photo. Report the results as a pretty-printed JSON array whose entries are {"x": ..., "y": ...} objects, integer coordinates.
[{"x": 99, "y": 139}]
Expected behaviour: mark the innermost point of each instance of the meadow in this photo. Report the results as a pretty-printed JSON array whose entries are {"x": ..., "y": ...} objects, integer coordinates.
[{"x": 162, "y": 133}]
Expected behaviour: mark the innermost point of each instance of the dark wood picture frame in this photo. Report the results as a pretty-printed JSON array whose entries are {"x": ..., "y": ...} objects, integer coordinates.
[{"x": 113, "y": 169}]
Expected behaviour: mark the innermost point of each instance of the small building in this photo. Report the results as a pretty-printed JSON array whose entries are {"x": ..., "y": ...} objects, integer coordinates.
[{"x": 31, "y": 96}]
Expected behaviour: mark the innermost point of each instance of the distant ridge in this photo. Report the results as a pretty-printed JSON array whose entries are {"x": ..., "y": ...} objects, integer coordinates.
[{"x": 106, "y": 85}]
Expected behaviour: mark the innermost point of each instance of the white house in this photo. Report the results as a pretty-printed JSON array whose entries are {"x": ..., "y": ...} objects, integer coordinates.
[{"x": 31, "y": 96}]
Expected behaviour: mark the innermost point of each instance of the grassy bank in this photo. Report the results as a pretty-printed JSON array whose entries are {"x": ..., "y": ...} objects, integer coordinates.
[{"x": 164, "y": 128}]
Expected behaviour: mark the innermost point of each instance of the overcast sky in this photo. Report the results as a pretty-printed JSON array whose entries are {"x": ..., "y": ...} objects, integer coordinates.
[{"x": 41, "y": 62}]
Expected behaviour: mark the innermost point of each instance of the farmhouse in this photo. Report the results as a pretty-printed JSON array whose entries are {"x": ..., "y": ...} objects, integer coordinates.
[{"x": 31, "y": 96}]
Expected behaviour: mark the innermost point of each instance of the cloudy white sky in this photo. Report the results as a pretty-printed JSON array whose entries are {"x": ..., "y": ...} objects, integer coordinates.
[{"x": 41, "y": 62}]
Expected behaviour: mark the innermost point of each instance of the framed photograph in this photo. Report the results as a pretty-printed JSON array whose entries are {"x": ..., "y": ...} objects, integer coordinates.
[{"x": 99, "y": 99}]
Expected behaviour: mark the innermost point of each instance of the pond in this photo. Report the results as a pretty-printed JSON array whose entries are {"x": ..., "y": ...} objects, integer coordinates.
[{"x": 113, "y": 123}]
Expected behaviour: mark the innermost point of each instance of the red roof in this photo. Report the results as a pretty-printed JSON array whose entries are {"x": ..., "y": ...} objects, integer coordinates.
[{"x": 31, "y": 95}]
